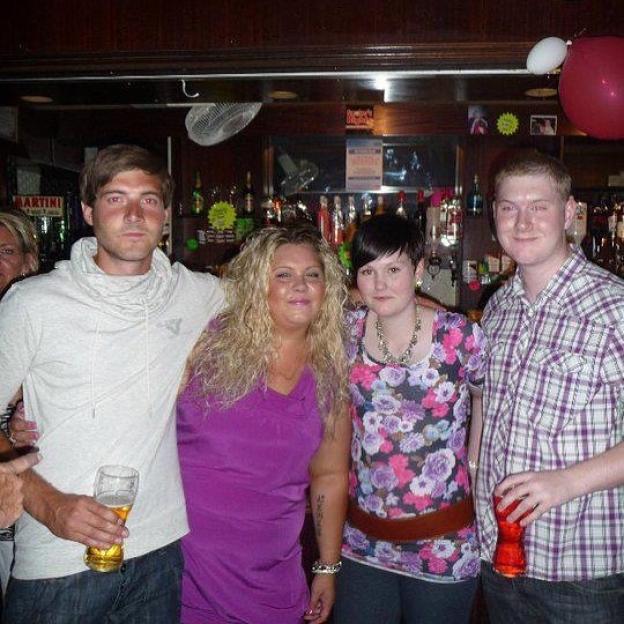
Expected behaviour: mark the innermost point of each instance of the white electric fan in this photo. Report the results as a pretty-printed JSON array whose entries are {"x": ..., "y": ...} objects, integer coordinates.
[{"x": 209, "y": 124}]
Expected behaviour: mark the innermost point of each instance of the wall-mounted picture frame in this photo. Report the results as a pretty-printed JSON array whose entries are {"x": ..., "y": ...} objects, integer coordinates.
[{"x": 543, "y": 125}]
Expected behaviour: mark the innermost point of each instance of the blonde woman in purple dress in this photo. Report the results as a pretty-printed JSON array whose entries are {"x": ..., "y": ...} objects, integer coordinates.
[{"x": 263, "y": 418}]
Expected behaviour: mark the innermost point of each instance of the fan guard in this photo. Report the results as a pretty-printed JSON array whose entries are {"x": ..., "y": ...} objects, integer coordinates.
[{"x": 209, "y": 124}]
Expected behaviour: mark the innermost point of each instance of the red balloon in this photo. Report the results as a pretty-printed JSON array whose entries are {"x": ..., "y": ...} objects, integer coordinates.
[{"x": 591, "y": 87}]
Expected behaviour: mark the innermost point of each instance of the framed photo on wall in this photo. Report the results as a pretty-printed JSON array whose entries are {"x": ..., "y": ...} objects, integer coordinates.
[{"x": 543, "y": 125}]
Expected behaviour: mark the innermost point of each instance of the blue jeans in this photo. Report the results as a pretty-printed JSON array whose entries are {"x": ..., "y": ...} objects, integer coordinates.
[
  {"x": 367, "y": 595},
  {"x": 524, "y": 599},
  {"x": 146, "y": 590}
]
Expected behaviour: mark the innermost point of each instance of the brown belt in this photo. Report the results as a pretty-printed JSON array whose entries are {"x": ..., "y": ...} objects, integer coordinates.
[{"x": 427, "y": 526}]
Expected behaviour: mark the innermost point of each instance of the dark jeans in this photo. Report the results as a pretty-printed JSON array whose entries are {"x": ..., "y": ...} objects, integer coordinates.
[
  {"x": 367, "y": 595},
  {"x": 146, "y": 590},
  {"x": 524, "y": 599}
]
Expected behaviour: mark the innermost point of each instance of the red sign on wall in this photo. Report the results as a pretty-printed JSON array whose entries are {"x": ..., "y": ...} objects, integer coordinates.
[{"x": 360, "y": 119}]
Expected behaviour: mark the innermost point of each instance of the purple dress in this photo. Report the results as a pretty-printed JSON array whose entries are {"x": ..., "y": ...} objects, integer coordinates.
[{"x": 245, "y": 474}]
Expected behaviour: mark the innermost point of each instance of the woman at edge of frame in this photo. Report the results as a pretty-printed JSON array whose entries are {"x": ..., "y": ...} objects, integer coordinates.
[{"x": 19, "y": 258}]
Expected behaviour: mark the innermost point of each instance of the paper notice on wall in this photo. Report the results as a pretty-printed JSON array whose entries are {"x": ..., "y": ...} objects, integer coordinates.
[{"x": 364, "y": 167}]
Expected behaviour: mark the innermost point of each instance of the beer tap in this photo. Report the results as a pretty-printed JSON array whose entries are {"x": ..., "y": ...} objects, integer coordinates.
[{"x": 434, "y": 262}]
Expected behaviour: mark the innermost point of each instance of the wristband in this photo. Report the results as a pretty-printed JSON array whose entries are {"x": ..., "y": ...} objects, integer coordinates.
[
  {"x": 326, "y": 568},
  {"x": 4, "y": 427}
]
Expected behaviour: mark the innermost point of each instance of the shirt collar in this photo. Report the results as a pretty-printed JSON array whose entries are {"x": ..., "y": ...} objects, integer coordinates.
[{"x": 558, "y": 286}]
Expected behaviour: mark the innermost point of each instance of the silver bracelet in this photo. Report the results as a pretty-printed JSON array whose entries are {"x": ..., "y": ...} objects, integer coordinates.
[
  {"x": 326, "y": 568},
  {"x": 472, "y": 466}
]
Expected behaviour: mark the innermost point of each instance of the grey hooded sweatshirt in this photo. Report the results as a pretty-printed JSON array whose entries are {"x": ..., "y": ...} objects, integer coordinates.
[{"x": 101, "y": 358}]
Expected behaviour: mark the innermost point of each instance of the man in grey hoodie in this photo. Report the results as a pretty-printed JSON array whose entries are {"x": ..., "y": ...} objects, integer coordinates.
[{"x": 100, "y": 345}]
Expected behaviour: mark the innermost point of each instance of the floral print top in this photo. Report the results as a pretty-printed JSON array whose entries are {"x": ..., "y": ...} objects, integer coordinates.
[{"x": 409, "y": 446}]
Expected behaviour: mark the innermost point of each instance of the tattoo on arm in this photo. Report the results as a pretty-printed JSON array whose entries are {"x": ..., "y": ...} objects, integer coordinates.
[{"x": 320, "y": 502}]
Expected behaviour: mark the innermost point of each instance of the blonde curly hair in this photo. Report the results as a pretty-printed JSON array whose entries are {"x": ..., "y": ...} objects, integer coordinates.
[
  {"x": 234, "y": 353},
  {"x": 21, "y": 227}
]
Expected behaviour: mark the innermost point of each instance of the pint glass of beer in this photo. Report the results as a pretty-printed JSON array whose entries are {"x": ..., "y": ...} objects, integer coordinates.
[{"x": 116, "y": 487}]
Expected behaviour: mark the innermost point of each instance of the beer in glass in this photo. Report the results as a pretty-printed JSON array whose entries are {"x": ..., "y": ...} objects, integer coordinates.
[{"x": 116, "y": 487}]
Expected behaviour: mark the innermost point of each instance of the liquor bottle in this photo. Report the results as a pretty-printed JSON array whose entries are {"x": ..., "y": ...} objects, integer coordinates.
[
  {"x": 249, "y": 195},
  {"x": 619, "y": 226},
  {"x": 301, "y": 211},
  {"x": 245, "y": 221},
  {"x": 454, "y": 219},
  {"x": 401, "y": 211},
  {"x": 420, "y": 215},
  {"x": 351, "y": 224},
  {"x": 278, "y": 203},
  {"x": 268, "y": 212},
  {"x": 197, "y": 200},
  {"x": 474, "y": 200},
  {"x": 612, "y": 216},
  {"x": 600, "y": 224},
  {"x": 322, "y": 219},
  {"x": 444, "y": 202},
  {"x": 337, "y": 220},
  {"x": 380, "y": 208},
  {"x": 607, "y": 256},
  {"x": 619, "y": 235},
  {"x": 367, "y": 212},
  {"x": 577, "y": 231}
]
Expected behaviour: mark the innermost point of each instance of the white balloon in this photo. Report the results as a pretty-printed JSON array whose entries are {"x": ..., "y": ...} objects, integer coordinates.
[{"x": 546, "y": 55}]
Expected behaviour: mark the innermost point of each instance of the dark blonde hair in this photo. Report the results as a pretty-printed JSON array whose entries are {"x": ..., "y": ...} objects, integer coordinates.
[
  {"x": 536, "y": 163},
  {"x": 116, "y": 159},
  {"x": 234, "y": 354},
  {"x": 20, "y": 226}
]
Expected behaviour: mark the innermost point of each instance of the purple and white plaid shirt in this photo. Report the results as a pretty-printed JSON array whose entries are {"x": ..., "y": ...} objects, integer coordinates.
[{"x": 554, "y": 396}]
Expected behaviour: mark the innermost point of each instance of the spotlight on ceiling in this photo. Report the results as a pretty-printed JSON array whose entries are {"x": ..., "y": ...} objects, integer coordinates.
[
  {"x": 541, "y": 92},
  {"x": 282, "y": 94},
  {"x": 36, "y": 99}
]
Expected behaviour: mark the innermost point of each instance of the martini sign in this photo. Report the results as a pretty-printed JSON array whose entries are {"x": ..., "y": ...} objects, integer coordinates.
[{"x": 40, "y": 205}]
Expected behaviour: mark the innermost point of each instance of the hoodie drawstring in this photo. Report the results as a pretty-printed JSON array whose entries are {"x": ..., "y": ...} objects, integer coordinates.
[
  {"x": 147, "y": 358},
  {"x": 94, "y": 348}
]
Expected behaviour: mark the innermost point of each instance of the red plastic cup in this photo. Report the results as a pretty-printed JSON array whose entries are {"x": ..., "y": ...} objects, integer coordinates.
[{"x": 509, "y": 559}]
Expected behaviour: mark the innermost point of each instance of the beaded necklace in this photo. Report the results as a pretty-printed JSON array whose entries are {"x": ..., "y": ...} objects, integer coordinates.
[{"x": 406, "y": 356}]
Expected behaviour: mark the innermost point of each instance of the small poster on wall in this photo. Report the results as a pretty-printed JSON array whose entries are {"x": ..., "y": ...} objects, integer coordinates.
[
  {"x": 478, "y": 119},
  {"x": 364, "y": 166}
]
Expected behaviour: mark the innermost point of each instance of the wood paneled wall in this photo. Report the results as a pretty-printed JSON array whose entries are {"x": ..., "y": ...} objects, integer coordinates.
[{"x": 59, "y": 27}]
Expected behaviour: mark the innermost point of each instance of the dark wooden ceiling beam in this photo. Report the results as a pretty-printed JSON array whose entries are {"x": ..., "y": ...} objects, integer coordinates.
[{"x": 414, "y": 57}]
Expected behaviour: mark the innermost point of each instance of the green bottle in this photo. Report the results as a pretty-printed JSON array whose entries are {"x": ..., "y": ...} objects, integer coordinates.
[{"x": 197, "y": 199}]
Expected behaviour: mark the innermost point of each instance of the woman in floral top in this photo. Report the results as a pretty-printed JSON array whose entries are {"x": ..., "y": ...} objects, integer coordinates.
[{"x": 410, "y": 550}]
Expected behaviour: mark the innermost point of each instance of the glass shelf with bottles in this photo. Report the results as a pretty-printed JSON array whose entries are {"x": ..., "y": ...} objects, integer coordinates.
[{"x": 599, "y": 227}]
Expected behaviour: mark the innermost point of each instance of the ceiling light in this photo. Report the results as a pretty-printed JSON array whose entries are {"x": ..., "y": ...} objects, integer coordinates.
[
  {"x": 37, "y": 99},
  {"x": 381, "y": 82},
  {"x": 541, "y": 92},
  {"x": 280, "y": 94}
]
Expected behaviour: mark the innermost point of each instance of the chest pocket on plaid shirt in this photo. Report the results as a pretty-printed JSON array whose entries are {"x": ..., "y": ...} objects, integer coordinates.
[{"x": 562, "y": 385}]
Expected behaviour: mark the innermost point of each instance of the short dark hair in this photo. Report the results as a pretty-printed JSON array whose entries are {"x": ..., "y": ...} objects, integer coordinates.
[
  {"x": 116, "y": 159},
  {"x": 383, "y": 235},
  {"x": 536, "y": 163}
]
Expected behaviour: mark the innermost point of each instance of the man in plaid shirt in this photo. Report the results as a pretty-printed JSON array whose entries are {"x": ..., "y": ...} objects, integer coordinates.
[{"x": 553, "y": 410}]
